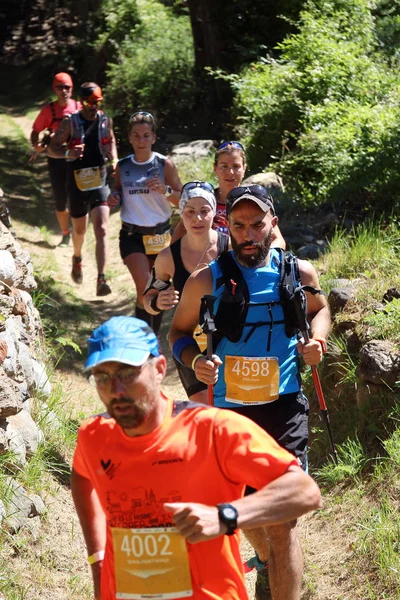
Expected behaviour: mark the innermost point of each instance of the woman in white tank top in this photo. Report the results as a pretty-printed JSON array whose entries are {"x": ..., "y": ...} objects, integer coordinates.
[{"x": 146, "y": 184}]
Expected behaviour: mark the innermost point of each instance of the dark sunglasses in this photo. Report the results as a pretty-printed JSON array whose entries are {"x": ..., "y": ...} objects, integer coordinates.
[
  {"x": 63, "y": 87},
  {"x": 91, "y": 102},
  {"x": 141, "y": 113},
  {"x": 258, "y": 191},
  {"x": 204, "y": 185},
  {"x": 234, "y": 144}
]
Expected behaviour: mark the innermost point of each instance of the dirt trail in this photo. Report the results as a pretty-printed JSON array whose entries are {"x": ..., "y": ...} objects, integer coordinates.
[{"x": 59, "y": 548}]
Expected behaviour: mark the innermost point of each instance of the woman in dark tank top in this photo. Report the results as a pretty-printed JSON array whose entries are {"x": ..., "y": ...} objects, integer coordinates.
[{"x": 173, "y": 266}]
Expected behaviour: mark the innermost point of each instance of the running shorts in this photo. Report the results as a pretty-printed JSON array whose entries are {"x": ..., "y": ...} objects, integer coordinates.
[
  {"x": 131, "y": 238},
  {"x": 81, "y": 203},
  {"x": 58, "y": 179},
  {"x": 286, "y": 420}
]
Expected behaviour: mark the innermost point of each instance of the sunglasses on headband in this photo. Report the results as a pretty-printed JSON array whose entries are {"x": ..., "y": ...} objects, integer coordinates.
[
  {"x": 204, "y": 185},
  {"x": 263, "y": 198},
  {"x": 233, "y": 144},
  {"x": 141, "y": 113}
]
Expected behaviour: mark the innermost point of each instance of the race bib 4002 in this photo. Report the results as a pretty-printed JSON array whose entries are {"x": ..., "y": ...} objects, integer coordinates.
[
  {"x": 151, "y": 563},
  {"x": 251, "y": 380}
]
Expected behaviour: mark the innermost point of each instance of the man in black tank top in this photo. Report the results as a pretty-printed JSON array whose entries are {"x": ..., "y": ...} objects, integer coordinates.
[{"x": 86, "y": 140}]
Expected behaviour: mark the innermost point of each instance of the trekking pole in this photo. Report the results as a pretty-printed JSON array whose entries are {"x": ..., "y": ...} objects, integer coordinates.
[
  {"x": 300, "y": 303},
  {"x": 208, "y": 326}
]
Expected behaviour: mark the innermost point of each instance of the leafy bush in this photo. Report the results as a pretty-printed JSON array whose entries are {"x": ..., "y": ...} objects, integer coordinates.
[
  {"x": 325, "y": 115},
  {"x": 154, "y": 64}
]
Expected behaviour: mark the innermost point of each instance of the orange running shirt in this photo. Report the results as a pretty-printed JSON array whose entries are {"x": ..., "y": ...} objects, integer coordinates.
[{"x": 198, "y": 454}]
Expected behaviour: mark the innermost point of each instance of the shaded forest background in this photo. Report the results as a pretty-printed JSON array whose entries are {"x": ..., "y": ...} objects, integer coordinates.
[{"x": 311, "y": 88}]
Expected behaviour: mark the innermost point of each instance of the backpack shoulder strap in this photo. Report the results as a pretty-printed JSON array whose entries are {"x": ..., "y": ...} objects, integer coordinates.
[{"x": 232, "y": 276}]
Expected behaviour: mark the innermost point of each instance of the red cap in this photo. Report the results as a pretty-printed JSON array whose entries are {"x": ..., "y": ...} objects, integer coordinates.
[{"x": 62, "y": 79}]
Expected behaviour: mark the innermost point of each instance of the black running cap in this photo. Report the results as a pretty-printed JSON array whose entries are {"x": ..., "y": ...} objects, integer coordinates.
[{"x": 256, "y": 193}]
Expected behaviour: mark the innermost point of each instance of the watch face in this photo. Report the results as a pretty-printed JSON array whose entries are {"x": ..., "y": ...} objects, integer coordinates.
[{"x": 229, "y": 513}]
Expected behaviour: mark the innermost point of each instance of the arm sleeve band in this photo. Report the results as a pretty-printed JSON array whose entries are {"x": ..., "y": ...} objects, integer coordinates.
[{"x": 181, "y": 344}]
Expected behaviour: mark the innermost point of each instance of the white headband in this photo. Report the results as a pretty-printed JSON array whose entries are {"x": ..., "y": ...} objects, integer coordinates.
[{"x": 197, "y": 192}]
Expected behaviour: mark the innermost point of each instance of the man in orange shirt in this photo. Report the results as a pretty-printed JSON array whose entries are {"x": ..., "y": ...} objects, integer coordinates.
[
  {"x": 49, "y": 120},
  {"x": 158, "y": 485}
]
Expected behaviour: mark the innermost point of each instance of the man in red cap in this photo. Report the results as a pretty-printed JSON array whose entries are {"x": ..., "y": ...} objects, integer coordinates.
[
  {"x": 48, "y": 120},
  {"x": 86, "y": 140}
]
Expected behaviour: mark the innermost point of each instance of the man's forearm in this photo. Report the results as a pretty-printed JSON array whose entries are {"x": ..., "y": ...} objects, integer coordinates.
[
  {"x": 285, "y": 499},
  {"x": 320, "y": 323}
]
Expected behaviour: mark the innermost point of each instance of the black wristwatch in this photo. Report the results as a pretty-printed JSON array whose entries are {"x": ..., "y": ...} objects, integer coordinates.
[{"x": 228, "y": 515}]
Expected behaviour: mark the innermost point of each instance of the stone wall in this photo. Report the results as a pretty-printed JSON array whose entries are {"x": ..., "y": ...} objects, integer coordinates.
[{"x": 22, "y": 373}]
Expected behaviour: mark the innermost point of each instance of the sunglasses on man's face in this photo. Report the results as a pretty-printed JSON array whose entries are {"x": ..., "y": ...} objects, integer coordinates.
[
  {"x": 204, "y": 185},
  {"x": 91, "y": 103},
  {"x": 233, "y": 144},
  {"x": 63, "y": 87}
]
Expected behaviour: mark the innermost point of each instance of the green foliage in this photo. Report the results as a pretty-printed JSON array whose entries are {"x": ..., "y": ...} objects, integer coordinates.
[
  {"x": 154, "y": 65},
  {"x": 352, "y": 460},
  {"x": 325, "y": 115},
  {"x": 386, "y": 323},
  {"x": 369, "y": 250}
]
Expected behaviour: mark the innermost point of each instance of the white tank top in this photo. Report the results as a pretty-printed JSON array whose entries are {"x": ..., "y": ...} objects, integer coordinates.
[{"x": 141, "y": 206}]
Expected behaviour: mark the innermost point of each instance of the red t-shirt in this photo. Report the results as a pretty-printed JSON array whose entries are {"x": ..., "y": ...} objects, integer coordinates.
[
  {"x": 198, "y": 454},
  {"x": 51, "y": 119}
]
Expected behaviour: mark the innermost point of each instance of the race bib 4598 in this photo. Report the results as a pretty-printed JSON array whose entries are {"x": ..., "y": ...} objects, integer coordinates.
[{"x": 251, "y": 379}]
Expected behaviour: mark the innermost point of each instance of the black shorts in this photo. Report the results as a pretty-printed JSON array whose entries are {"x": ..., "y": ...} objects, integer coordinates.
[
  {"x": 58, "y": 180},
  {"x": 189, "y": 380},
  {"x": 131, "y": 242},
  {"x": 81, "y": 203},
  {"x": 286, "y": 420}
]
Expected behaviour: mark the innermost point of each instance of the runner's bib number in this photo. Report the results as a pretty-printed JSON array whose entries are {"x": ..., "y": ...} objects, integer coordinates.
[
  {"x": 88, "y": 179},
  {"x": 153, "y": 244},
  {"x": 251, "y": 380},
  {"x": 151, "y": 563}
]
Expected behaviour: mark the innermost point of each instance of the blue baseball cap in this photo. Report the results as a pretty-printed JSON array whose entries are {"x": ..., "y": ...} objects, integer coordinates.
[{"x": 122, "y": 339}]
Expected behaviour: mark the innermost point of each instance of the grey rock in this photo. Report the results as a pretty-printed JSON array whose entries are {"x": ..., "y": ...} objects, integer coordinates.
[
  {"x": 271, "y": 181},
  {"x": 33, "y": 325},
  {"x": 339, "y": 297},
  {"x": 25, "y": 360},
  {"x": 195, "y": 149},
  {"x": 8, "y": 269},
  {"x": 7, "y": 303},
  {"x": 20, "y": 508},
  {"x": 10, "y": 397},
  {"x": 41, "y": 380},
  {"x": 379, "y": 363},
  {"x": 15, "y": 443},
  {"x": 29, "y": 431}
]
